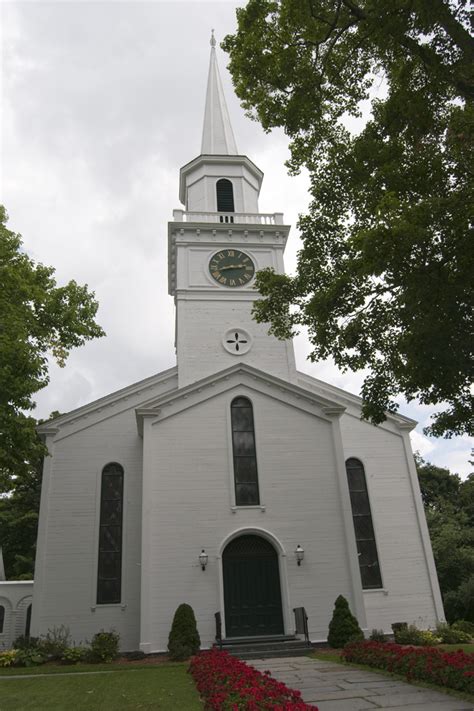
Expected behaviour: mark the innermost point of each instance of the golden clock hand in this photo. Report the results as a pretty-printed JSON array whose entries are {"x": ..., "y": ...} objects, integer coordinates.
[{"x": 232, "y": 266}]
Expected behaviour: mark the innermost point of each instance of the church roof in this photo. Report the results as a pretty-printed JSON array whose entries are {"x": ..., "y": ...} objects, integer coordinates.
[
  {"x": 217, "y": 135},
  {"x": 242, "y": 374}
]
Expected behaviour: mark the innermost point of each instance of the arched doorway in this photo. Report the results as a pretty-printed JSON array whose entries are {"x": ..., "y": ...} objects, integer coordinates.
[{"x": 252, "y": 592}]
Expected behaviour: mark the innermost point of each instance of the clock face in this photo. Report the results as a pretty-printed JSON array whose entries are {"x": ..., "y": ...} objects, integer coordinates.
[{"x": 231, "y": 267}]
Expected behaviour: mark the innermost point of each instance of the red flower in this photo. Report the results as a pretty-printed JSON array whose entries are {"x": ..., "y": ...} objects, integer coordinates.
[
  {"x": 229, "y": 684},
  {"x": 454, "y": 670}
]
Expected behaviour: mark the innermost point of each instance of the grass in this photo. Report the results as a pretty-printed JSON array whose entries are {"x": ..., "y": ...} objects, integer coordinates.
[
  {"x": 468, "y": 648},
  {"x": 164, "y": 687},
  {"x": 42, "y": 669}
]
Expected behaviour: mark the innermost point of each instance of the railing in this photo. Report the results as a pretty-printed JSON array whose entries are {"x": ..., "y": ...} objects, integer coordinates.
[
  {"x": 217, "y": 615},
  {"x": 301, "y": 623},
  {"x": 229, "y": 218}
]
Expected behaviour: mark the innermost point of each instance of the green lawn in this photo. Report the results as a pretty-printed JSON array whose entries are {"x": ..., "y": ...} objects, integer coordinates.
[
  {"x": 468, "y": 648},
  {"x": 163, "y": 687}
]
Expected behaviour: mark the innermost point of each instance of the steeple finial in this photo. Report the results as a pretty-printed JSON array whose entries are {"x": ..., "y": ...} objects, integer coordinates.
[{"x": 217, "y": 135}]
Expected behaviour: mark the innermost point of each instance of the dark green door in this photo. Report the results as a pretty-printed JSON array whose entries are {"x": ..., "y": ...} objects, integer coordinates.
[{"x": 252, "y": 595}]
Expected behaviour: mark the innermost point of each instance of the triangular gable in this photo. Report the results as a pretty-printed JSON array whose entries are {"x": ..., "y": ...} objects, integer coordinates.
[
  {"x": 347, "y": 399},
  {"x": 123, "y": 399},
  {"x": 171, "y": 404}
]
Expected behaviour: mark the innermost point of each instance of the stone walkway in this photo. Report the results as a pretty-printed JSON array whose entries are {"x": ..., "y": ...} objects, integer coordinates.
[{"x": 335, "y": 687}]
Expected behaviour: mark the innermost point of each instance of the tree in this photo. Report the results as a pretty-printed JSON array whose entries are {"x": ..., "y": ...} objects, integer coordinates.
[
  {"x": 343, "y": 627},
  {"x": 38, "y": 320},
  {"x": 183, "y": 640},
  {"x": 448, "y": 508},
  {"x": 19, "y": 515},
  {"x": 384, "y": 276}
]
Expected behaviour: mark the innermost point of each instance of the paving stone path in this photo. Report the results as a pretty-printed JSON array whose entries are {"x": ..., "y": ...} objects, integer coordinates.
[{"x": 335, "y": 687}]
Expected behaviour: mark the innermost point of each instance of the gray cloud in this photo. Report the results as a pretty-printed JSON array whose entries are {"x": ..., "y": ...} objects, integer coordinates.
[{"x": 103, "y": 102}]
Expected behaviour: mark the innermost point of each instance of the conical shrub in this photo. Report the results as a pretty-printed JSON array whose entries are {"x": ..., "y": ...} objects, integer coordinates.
[
  {"x": 183, "y": 640},
  {"x": 343, "y": 627}
]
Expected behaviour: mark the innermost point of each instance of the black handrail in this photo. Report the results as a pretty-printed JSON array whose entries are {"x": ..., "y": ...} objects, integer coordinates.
[
  {"x": 301, "y": 623},
  {"x": 217, "y": 615}
]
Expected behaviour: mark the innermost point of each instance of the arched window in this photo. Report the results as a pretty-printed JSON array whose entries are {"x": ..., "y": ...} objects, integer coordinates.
[
  {"x": 109, "y": 572},
  {"x": 225, "y": 195},
  {"x": 245, "y": 461},
  {"x": 364, "y": 530},
  {"x": 2, "y": 618}
]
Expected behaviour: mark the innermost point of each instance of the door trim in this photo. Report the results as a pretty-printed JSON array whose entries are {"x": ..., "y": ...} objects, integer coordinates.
[{"x": 282, "y": 567}]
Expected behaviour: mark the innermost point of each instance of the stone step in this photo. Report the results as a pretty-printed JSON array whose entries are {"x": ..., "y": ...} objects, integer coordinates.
[
  {"x": 260, "y": 639},
  {"x": 274, "y": 653},
  {"x": 262, "y": 648}
]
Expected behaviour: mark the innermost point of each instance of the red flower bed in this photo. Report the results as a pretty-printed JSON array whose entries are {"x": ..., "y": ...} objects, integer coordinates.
[
  {"x": 228, "y": 684},
  {"x": 454, "y": 670}
]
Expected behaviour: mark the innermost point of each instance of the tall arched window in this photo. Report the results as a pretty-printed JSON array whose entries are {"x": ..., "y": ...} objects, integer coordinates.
[
  {"x": 364, "y": 529},
  {"x": 109, "y": 572},
  {"x": 225, "y": 195},
  {"x": 2, "y": 618},
  {"x": 245, "y": 460}
]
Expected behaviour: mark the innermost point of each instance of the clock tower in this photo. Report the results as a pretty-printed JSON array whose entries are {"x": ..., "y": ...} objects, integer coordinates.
[{"x": 216, "y": 246}]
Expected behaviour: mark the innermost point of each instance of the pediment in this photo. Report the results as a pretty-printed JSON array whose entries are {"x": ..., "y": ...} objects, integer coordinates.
[
  {"x": 253, "y": 379},
  {"x": 128, "y": 398}
]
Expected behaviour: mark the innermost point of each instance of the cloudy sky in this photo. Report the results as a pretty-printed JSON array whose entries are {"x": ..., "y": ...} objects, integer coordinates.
[{"x": 102, "y": 103}]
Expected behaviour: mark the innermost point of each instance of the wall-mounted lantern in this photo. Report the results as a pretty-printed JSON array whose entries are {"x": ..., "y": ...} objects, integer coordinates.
[
  {"x": 299, "y": 553},
  {"x": 203, "y": 558}
]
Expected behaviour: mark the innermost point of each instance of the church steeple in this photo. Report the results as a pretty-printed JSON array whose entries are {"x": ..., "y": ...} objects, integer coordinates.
[
  {"x": 216, "y": 245},
  {"x": 217, "y": 135}
]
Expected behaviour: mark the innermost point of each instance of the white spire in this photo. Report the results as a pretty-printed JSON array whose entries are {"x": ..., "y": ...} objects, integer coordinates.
[{"x": 217, "y": 135}]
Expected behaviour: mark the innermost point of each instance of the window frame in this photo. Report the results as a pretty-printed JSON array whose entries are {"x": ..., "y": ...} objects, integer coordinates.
[
  {"x": 358, "y": 538},
  {"x": 225, "y": 197},
  {"x": 3, "y": 614},
  {"x": 233, "y": 456},
  {"x": 99, "y": 597}
]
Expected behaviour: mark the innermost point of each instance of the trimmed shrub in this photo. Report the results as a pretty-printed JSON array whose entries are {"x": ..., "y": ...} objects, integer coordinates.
[
  {"x": 183, "y": 640},
  {"x": 343, "y": 627},
  {"x": 104, "y": 647},
  {"x": 377, "y": 636}
]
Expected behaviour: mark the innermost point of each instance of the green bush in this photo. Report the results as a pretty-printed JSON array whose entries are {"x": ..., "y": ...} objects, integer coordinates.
[
  {"x": 26, "y": 642},
  {"x": 410, "y": 634},
  {"x": 8, "y": 658},
  {"x": 55, "y": 642},
  {"x": 28, "y": 657},
  {"x": 377, "y": 636},
  {"x": 74, "y": 655},
  {"x": 183, "y": 640},
  {"x": 104, "y": 647},
  {"x": 464, "y": 626},
  {"x": 343, "y": 627},
  {"x": 451, "y": 635}
]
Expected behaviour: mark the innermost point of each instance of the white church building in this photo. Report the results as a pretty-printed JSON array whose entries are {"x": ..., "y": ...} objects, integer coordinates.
[{"x": 232, "y": 481}]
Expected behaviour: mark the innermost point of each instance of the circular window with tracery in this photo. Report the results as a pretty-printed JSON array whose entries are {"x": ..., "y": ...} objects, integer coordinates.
[{"x": 237, "y": 341}]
